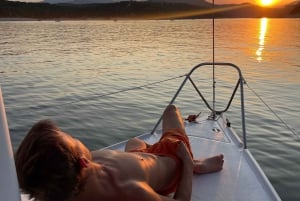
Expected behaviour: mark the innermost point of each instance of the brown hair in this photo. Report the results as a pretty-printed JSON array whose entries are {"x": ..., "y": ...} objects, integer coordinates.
[{"x": 47, "y": 168}]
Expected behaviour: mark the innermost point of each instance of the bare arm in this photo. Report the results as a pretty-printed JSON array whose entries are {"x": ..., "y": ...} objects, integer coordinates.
[
  {"x": 142, "y": 191},
  {"x": 184, "y": 189}
]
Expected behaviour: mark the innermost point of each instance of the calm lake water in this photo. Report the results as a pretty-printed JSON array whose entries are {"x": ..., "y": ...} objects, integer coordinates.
[{"x": 68, "y": 71}]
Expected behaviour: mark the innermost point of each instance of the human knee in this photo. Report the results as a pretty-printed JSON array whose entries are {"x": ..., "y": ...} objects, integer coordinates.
[
  {"x": 170, "y": 108},
  {"x": 132, "y": 141}
]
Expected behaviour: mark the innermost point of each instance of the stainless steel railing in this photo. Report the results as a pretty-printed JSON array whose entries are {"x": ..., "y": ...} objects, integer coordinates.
[{"x": 239, "y": 84}]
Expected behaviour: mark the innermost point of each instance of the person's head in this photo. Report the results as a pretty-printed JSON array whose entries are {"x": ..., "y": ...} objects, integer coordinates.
[{"x": 49, "y": 162}]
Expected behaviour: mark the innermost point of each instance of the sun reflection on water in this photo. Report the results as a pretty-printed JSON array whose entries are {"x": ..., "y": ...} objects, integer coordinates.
[{"x": 262, "y": 36}]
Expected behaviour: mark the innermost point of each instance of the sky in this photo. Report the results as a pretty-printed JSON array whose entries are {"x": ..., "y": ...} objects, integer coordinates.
[{"x": 275, "y": 2}]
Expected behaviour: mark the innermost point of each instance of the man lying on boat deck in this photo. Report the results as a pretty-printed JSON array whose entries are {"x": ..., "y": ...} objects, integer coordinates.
[{"x": 53, "y": 166}]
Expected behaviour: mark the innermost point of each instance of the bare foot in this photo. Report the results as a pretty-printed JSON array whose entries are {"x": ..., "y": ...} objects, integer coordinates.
[{"x": 209, "y": 165}]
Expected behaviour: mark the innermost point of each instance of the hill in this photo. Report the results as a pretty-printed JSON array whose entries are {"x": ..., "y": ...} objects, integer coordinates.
[
  {"x": 296, "y": 9},
  {"x": 137, "y": 10}
]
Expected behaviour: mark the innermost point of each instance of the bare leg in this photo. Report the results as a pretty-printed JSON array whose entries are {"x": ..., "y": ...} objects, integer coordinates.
[
  {"x": 209, "y": 165},
  {"x": 172, "y": 118},
  {"x": 135, "y": 144}
]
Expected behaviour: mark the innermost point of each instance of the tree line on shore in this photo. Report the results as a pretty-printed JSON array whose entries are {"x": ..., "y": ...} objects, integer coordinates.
[{"x": 138, "y": 10}]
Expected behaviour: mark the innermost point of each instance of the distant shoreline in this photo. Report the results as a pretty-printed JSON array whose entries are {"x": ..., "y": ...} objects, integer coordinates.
[
  {"x": 7, "y": 19},
  {"x": 16, "y": 19}
]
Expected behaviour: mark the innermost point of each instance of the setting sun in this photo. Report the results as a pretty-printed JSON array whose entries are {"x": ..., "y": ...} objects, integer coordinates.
[{"x": 267, "y": 2}]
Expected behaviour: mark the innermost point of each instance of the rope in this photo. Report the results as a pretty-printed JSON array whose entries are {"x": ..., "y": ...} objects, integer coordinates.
[
  {"x": 276, "y": 115},
  {"x": 123, "y": 90}
]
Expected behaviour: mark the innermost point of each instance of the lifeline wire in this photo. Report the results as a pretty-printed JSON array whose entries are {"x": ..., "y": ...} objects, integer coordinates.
[
  {"x": 124, "y": 90},
  {"x": 283, "y": 122}
]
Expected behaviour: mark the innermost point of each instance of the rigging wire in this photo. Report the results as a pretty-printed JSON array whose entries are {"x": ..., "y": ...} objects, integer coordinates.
[
  {"x": 276, "y": 115},
  {"x": 124, "y": 90}
]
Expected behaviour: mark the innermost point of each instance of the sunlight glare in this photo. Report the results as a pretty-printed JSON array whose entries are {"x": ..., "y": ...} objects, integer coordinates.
[
  {"x": 267, "y": 2},
  {"x": 262, "y": 35}
]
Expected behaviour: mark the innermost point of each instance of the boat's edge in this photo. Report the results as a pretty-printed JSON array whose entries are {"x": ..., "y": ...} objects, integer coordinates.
[
  {"x": 261, "y": 175},
  {"x": 9, "y": 188},
  {"x": 269, "y": 188}
]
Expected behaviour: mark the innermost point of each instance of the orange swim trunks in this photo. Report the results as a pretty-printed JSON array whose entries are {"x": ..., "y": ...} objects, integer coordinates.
[{"x": 167, "y": 146}]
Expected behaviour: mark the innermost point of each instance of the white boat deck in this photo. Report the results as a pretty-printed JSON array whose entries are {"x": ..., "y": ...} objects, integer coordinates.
[{"x": 241, "y": 177}]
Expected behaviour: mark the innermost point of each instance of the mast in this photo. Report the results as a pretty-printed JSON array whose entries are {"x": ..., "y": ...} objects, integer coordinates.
[{"x": 213, "y": 52}]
